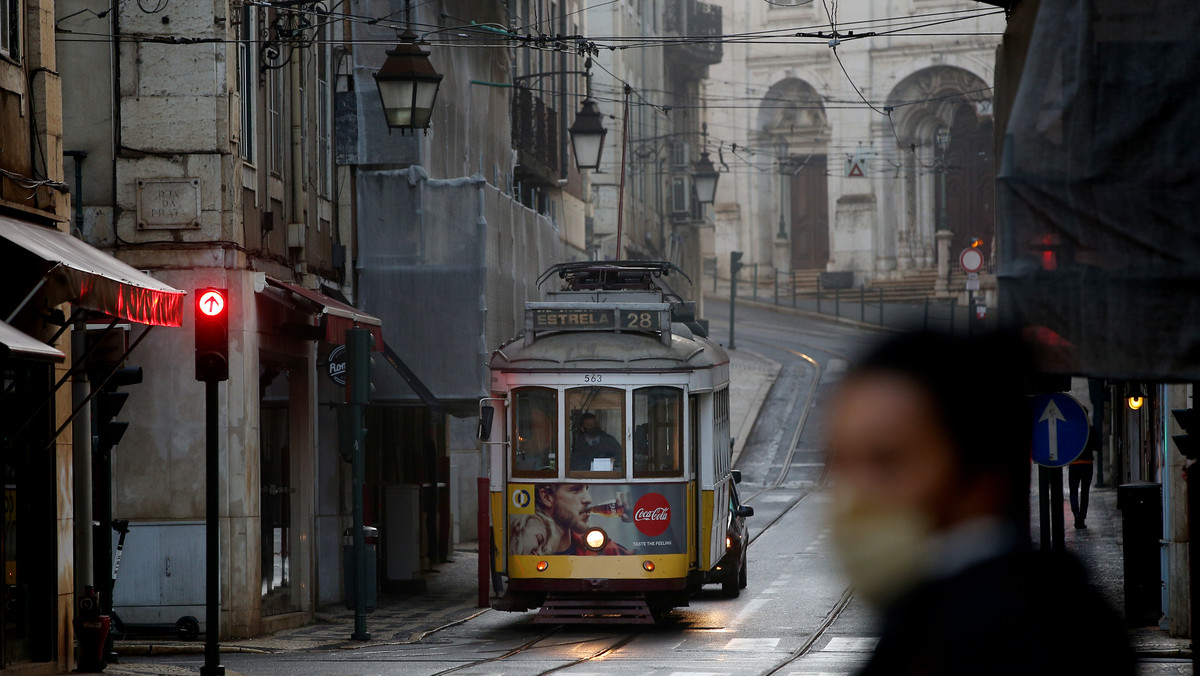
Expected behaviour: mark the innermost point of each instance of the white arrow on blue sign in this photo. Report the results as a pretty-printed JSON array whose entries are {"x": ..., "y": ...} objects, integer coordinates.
[{"x": 1060, "y": 429}]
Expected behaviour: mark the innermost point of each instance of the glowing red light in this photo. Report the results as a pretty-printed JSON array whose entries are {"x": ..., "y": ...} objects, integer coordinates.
[
  {"x": 1049, "y": 261},
  {"x": 211, "y": 303}
]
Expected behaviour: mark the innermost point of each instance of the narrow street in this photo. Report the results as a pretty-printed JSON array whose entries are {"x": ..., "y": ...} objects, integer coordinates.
[{"x": 796, "y": 617}]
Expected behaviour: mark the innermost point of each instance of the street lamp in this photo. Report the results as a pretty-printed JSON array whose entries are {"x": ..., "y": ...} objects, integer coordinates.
[
  {"x": 587, "y": 135},
  {"x": 408, "y": 85},
  {"x": 704, "y": 174},
  {"x": 783, "y": 157},
  {"x": 942, "y": 139}
]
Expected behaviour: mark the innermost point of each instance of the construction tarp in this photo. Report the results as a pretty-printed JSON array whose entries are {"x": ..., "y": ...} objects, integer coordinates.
[
  {"x": 1099, "y": 232},
  {"x": 448, "y": 265}
]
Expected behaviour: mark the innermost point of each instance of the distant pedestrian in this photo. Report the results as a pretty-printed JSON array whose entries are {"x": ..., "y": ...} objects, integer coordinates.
[
  {"x": 929, "y": 439},
  {"x": 1079, "y": 479}
]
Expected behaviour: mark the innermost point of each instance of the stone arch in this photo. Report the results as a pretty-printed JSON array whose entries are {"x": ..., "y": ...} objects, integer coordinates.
[
  {"x": 792, "y": 107},
  {"x": 793, "y": 126},
  {"x": 945, "y": 185}
]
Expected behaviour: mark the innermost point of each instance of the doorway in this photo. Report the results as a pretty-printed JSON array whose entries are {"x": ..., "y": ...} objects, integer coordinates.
[
  {"x": 810, "y": 215},
  {"x": 276, "y": 489},
  {"x": 970, "y": 185},
  {"x": 28, "y": 547}
]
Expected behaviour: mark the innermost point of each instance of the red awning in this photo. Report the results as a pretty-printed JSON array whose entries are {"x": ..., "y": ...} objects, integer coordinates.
[
  {"x": 79, "y": 273},
  {"x": 18, "y": 344},
  {"x": 335, "y": 316}
]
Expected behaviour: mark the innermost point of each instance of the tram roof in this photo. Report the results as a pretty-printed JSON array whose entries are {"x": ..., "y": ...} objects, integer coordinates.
[{"x": 572, "y": 350}]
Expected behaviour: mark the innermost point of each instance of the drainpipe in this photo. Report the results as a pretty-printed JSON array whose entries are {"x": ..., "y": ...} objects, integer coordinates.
[
  {"x": 81, "y": 430},
  {"x": 297, "y": 153},
  {"x": 81, "y": 461},
  {"x": 78, "y": 156}
]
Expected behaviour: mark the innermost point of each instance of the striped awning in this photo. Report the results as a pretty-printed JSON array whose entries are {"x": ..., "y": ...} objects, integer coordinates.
[{"x": 73, "y": 271}]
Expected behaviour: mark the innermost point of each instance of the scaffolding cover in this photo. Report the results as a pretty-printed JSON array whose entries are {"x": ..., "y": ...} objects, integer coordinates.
[
  {"x": 1099, "y": 240},
  {"x": 448, "y": 266}
]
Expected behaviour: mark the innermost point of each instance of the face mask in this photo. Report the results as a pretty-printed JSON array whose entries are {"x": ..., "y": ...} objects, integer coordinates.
[{"x": 883, "y": 549}]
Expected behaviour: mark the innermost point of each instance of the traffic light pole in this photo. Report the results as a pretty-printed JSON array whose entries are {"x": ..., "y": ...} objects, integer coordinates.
[
  {"x": 732, "y": 305},
  {"x": 212, "y": 554},
  {"x": 358, "y": 347},
  {"x": 735, "y": 266}
]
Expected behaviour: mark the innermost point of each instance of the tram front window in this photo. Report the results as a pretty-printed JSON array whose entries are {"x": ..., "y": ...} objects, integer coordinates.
[
  {"x": 597, "y": 431},
  {"x": 535, "y": 448},
  {"x": 657, "y": 432}
]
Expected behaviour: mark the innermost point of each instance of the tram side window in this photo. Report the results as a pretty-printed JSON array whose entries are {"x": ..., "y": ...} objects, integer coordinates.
[
  {"x": 535, "y": 445},
  {"x": 657, "y": 432},
  {"x": 597, "y": 432}
]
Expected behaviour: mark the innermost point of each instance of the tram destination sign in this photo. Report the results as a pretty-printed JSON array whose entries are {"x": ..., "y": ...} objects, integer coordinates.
[{"x": 604, "y": 319}]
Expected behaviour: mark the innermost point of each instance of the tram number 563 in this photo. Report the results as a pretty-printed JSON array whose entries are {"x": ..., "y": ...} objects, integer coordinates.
[{"x": 592, "y": 378}]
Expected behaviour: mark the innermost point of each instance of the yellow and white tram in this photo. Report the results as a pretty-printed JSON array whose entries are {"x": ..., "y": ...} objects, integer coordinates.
[{"x": 611, "y": 492}]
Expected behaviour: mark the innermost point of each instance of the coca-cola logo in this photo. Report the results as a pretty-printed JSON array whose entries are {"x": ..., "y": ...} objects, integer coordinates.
[{"x": 652, "y": 514}]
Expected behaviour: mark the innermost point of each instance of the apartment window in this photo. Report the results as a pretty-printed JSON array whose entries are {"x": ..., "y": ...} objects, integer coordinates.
[
  {"x": 325, "y": 67},
  {"x": 680, "y": 192},
  {"x": 10, "y": 38},
  {"x": 248, "y": 79},
  {"x": 680, "y": 155}
]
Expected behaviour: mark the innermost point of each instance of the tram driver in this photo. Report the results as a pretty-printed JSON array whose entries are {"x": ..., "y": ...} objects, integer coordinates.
[{"x": 593, "y": 449}]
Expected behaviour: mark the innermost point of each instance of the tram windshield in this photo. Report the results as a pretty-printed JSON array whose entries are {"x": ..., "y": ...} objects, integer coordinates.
[
  {"x": 597, "y": 430},
  {"x": 657, "y": 432},
  {"x": 535, "y": 448}
]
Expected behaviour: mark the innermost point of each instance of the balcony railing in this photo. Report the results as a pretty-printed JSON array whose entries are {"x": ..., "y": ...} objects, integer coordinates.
[
  {"x": 694, "y": 19},
  {"x": 535, "y": 131}
]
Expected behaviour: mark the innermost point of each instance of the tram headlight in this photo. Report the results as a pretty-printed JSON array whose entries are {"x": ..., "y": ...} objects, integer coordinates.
[
  {"x": 595, "y": 539},
  {"x": 728, "y": 542}
]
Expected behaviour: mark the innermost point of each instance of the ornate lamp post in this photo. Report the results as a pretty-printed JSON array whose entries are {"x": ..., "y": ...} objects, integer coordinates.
[
  {"x": 783, "y": 157},
  {"x": 408, "y": 85},
  {"x": 587, "y": 135},
  {"x": 704, "y": 174},
  {"x": 942, "y": 139}
]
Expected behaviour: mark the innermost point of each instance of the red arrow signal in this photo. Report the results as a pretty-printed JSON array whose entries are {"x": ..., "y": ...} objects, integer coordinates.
[{"x": 212, "y": 303}]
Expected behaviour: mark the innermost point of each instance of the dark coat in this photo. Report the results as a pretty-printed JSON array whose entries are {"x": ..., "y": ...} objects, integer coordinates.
[{"x": 1024, "y": 613}]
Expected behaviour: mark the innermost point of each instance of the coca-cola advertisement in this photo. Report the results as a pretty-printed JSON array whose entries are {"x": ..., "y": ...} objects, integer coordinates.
[{"x": 554, "y": 518}]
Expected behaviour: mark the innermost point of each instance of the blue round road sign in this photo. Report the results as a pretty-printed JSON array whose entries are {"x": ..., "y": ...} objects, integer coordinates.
[{"x": 1060, "y": 429}]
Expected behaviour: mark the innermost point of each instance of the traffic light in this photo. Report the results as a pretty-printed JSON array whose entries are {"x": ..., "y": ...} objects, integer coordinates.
[
  {"x": 1188, "y": 443},
  {"x": 735, "y": 262},
  {"x": 107, "y": 432},
  {"x": 212, "y": 334}
]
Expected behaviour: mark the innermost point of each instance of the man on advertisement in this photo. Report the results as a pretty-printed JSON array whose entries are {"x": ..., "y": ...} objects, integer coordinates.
[{"x": 569, "y": 507}]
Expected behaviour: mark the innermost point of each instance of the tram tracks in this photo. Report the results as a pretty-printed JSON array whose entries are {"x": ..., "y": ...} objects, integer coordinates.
[
  {"x": 611, "y": 646},
  {"x": 848, "y": 593}
]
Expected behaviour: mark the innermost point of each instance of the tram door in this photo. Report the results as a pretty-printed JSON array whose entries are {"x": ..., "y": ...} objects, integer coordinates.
[{"x": 694, "y": 450}]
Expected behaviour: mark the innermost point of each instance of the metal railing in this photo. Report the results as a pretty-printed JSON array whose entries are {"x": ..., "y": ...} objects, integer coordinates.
[
  {"x": 535, "y": 127},
  {"x": 862, "y": 304}
]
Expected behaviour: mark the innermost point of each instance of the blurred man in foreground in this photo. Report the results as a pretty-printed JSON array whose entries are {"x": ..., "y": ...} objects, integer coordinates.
[{"x": 929, "y": 466}]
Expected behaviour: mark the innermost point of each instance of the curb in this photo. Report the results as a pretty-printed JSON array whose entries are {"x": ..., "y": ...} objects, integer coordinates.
[
  {"x": 160, "y": 649},
  {"x": 756, "y": 405}
]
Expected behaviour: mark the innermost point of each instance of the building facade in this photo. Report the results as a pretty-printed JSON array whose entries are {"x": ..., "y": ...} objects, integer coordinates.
[
  {"x": 454, "y": 224},
  {"x": 853, "y": 140},
  {"x": 208, "y": 129},
  {"x": 56, "y": 371},
  {"x": 651, "y": 88}
]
